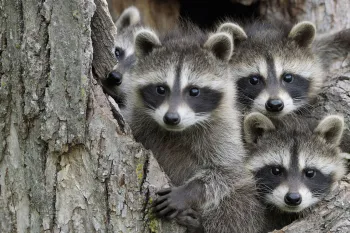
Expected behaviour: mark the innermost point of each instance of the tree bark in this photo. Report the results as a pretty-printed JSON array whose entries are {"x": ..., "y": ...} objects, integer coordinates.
[{"x": 66, "y": 164}]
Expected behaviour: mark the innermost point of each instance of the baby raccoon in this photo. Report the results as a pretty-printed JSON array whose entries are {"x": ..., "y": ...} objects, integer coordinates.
[
  {"x": 295, "y": 165},
  {"x": 114, "y": 84},
  {"x": 180, "y": 107},
  {"x": 279, "y": 70}
]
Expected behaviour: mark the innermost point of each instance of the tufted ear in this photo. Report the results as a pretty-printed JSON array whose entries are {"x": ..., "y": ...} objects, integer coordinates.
[
  {"x": 303, "y": 33},
  {"x": 234, "y": 30},
  {"x": 221, "y": 45},
  {"x": 331, "y": 129},
  {"x": 255, "y": 125},
  {"x": 130, "y": 16},
  {"x": 145, "y": 42}
]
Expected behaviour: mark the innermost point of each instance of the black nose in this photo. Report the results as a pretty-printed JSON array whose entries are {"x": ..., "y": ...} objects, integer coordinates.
[
  {"x": 292, "y": 199},
  {"x": 171, "y": 118},
  {"x": 115, "y": 78},
  {"x": 274, "y": 105}
]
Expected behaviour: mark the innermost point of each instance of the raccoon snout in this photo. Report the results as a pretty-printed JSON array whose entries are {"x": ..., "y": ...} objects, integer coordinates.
[
  {"x": 292, "y": 199},
  {"x": 115, "y": 78},
  {"x": 171, "y": 118},
  {"x": 274, "y": 105}
]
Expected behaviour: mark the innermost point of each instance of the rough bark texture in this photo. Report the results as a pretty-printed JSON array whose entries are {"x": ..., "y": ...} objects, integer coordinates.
[
  {"x": 66, "y": 165},
  {"x": 328, "y": 15},
  {"x": 70, "y": 164}
]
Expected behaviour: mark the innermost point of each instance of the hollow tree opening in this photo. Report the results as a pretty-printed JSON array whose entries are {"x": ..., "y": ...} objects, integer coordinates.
[{"x": 207, "y": 13}]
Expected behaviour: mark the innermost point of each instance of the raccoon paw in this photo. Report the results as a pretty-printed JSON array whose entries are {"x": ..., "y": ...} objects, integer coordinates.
[
  {"x": 190, "y": 219},
  {"x": 170, "y": 202}
]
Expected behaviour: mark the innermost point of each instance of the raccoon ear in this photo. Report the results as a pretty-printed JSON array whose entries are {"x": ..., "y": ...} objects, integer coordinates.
[
  {"x": 234, "y": 30},
  {"x": 145, "y": 41},
  {"x": 255, "y": 125},
  {"x": 130, "y": 16},
  {"x": 331, "y": 129},
  {"x": 221, "y": 45},
  {"x": 303, "y": 33}
]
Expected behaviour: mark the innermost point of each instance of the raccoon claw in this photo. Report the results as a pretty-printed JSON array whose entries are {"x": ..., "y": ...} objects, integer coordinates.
[
  {"x": 170, "y": 203},
  {"x": 190, "y": 219},
  {"x": 173, "y": 215},
  {"x": 166, "y": 211},
  {"x": 163, "y": 191}
]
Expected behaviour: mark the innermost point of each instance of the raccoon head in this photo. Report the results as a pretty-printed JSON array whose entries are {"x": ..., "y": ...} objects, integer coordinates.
[
  {"x": 124, "y": 47},
  {"x": 275, "y": 70},
  {"x": 181, "y": 83},
  {"x": 294, "y": 165}
]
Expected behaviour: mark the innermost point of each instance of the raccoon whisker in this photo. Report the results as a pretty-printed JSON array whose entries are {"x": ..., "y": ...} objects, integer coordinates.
[
  {"x": 300, "y": 97},
  {"x": 304, "y": 110},
  {"x": 242, "y": 94},
  {"x": 265, "y": 187},
  {"x": 148, "y": 106},
  {"x": 319, "y": 192}
]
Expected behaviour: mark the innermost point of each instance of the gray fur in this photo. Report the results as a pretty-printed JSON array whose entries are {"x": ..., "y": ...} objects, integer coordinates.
[
  {"x": 129, "y": 17},
  {"x": 288, "y": 143},
  {"x": 234, "y": 29},
  {"x": 331, "y": 47},
  {"x": 128, "y": 22},
  {"x": 204, "y": 160},
  {"x": 271, "y": 51}
]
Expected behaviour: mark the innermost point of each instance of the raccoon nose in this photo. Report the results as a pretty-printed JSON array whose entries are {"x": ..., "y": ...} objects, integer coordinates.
[
  {"x": 292, "y": 199},
  {"x": 115, "y": 78},
  {"x": 171, "y": 118},
  {"x": 274, "y": 105}
]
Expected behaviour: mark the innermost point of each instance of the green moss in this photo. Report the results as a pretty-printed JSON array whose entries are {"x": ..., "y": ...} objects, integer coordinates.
[
  {"x": 139, "y": 172},
  {"x": 84, "y": 80},
  {"x": 3, "y": 84},
  {"x": 18, "y": 46},
  {"x": 76, "y": 14},
  {"x": 83, "y": 93},
  {"x": 153, "y": 224}
]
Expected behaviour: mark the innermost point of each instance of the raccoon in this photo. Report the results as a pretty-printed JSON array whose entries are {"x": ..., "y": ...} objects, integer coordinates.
[
  {"x": 180, "y": 107},
  {"x": 295, "y": 165},
  {"x": 332, "y": 47},
  {"x": 114, "y": 84},
  {"x": 278, "y": 69}
]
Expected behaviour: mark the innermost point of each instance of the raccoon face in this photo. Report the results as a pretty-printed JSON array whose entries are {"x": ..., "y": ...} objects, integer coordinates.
[
  {"x": 124, "y": 47},
  {"x": 277, "y": 77},
  {"x": 294, "y": 169},
  {"x": 180, "y": 85}
]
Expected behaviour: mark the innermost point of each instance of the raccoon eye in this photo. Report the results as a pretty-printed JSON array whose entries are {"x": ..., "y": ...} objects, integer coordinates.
[
  {"x": 194, "y": 92},
  {"x": 254, "y": 80},
  {"x": 118, "y": 52},
  {"x": 310, "y": 173},
  {"x": 160, "y": 90},
  {"x": 276, "y": 171},
  {"x": 288, "y": 78}
]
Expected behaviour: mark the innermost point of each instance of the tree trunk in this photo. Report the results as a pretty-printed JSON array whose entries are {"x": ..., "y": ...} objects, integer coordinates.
[
  {"x": 70, "y": 164},
  {"x": 66, "y": 165}
]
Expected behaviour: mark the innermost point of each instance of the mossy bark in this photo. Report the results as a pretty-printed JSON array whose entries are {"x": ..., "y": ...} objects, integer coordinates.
[{"x": 66, "y": 163}]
